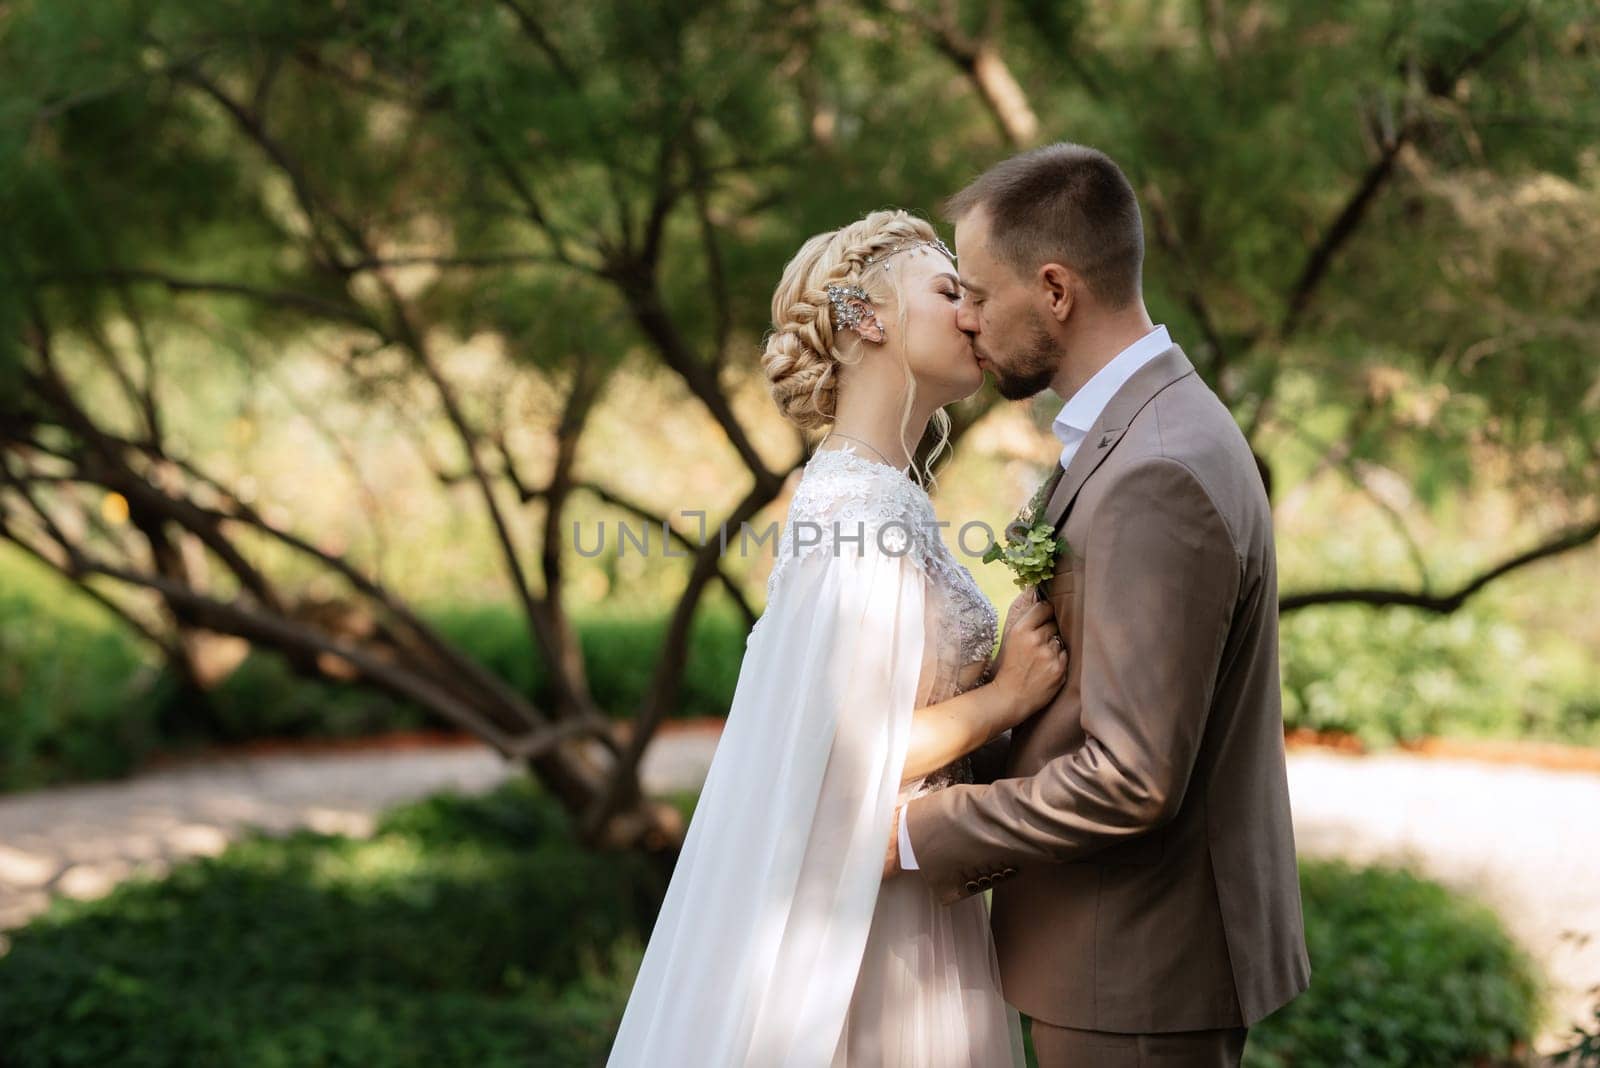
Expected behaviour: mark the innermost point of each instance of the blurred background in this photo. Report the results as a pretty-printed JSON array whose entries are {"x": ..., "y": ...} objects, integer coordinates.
[{"x": 326, "y": 327}]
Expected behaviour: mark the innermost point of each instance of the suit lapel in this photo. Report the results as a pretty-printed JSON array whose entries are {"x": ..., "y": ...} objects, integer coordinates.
[
  {"x": 1102, "y": 438},
  {"x": 1047, "y": 492}
]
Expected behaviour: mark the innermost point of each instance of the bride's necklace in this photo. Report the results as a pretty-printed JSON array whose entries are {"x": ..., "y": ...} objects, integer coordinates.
[{"x": 858, "y": 441}]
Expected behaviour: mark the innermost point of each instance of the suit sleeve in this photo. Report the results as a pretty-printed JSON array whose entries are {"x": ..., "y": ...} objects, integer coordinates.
[
  {"x": 989, "y": 759},
  {"x": 1162, "y": 579}
]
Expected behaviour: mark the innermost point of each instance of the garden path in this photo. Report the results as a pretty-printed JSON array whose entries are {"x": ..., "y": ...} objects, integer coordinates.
[{"x": 1525, "y": 840}]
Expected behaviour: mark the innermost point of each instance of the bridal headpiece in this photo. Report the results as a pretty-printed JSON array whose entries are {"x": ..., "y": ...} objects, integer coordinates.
[
  {"x": 883, "y": 254},
  {"x": 852, "y": 306}
]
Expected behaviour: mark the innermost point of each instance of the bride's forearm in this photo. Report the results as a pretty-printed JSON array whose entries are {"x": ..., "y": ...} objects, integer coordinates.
[{"x": 950, "y": 729}]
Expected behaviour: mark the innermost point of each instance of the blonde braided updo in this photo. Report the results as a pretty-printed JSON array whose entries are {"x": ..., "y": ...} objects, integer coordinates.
[{"x": 803, "y": 354}]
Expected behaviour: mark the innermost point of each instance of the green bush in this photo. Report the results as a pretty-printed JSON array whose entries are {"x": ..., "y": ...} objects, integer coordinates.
[
  {"x": 75, "y": 699},
  {"x": 619, "y": 655},
  {"x": 263, "y": 698},
  {"x": 1396, "y": 675},
  {"x": 474, "y": 931},
  {"x": 77, "y": 702},
  {"x": 466, "y": 931},
  {"x": 1404, "y": 974}
]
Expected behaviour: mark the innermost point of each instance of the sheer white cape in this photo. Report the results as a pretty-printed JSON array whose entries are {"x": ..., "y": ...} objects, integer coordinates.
[{"x": 756, "y": 953}]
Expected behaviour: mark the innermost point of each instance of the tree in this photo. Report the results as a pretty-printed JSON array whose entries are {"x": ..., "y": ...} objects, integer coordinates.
[
  {"x": 283, "y": 167},
  {"x": 1383, "y": 211}
]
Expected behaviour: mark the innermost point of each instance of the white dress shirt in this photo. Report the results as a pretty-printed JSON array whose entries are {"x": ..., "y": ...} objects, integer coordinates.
[{"x": 1071, "y": 426}]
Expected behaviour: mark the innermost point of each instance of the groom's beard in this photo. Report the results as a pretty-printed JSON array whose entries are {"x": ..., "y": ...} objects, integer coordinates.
[{"x": 1031, "y": 371}]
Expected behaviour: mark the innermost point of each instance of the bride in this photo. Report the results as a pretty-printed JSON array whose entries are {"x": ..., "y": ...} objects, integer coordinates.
[{"x": 865, "y": 683}]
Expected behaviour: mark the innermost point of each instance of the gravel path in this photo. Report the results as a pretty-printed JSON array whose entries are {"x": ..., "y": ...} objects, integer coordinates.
[{"x": 1525, "y": 840}]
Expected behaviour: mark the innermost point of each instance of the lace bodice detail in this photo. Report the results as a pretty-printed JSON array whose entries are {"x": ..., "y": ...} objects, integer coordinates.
[{"x": 846, "y": 493}]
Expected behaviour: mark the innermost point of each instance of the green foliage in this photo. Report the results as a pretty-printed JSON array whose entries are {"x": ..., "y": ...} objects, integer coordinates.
[
  {"x": 475, "y": 931},
  {"x": 1400, "y": 675},
  {"x": 1029, "y": 547},
  {"x": 467, "y": 931},
  {"x": 1584, "y": 1052},
  {"x": 618, "y": 655},
  {"x": 619, "y": 670},
  {"x": 626, "y": 181},
  {"x": 1029, "y": 552},
  {"x": 1404, "y": 974},
  {"x": 77, "y": 701}
]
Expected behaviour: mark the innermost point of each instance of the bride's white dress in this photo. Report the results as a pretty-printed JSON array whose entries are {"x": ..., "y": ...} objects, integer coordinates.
[{"x": 777, "y": 943}]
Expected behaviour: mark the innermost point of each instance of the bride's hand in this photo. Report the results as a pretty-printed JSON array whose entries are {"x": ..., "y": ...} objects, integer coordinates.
[
  {"x": 1032, "y": 663},
  {"x": 1014, "y": 611}
]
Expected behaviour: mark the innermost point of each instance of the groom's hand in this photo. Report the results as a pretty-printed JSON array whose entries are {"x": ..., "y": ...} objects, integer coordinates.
[{"x": 891, "y": 860}]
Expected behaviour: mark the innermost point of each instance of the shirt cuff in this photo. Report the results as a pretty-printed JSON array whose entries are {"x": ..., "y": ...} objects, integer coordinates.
[{"x": 908, "y": 859}]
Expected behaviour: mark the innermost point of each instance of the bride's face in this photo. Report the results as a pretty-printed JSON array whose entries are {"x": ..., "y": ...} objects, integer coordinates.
[{"x": 940, "y": 355}]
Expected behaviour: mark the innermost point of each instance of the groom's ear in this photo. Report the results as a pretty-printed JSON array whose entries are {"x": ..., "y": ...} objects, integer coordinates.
[{"x": 1060, "y": 286}]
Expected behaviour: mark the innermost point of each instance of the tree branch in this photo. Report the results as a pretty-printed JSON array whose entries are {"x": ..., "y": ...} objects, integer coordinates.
[
  {"x": 532, "y": 208},
  {"x": 700, "y": 193},
  {"x": 980, "y": 60},
  {"x": 616, "y": 500},
  {"x": 638, "y": 287},
  {"x": 1349, "y": 218},
  {"x": 322, "y": 307},
  {"x": 147, "y": 356},
  {"x": 587, "y": 383},
  {"x": 541, "y": 742},
  {"x": 1443, "y": 604},
  {"x": 536, "y": 33},
  {"x": 493, "y": 689},
  {"x": 572, "y": 696},
  {"x": 461, "y": 262},
  {"x": 1193, "y": 295},
  {"x": 254, "y": 127},
  {"x": 665, "y": 680},
  {"x": 275, "y": 632},
  {"x": 169, "y": 649},
  {"x": 151, "y": 506},
  {"x": 662, "y": 200},
  {"x": 1342, "y": 229}
]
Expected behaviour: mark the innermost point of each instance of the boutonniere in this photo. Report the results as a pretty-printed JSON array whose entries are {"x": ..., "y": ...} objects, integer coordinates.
[{"x": 1030, "y": 547}]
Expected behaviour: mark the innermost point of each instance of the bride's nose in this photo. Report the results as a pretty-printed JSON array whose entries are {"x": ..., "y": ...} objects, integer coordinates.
[{"x": 967, "y": 319}]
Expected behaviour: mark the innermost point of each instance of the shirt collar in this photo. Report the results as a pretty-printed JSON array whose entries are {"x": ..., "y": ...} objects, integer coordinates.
[{"x": 1085, "y": 406}]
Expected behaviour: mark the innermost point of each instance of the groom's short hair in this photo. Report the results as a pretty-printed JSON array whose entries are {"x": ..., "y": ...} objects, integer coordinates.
[{"x": 1067, "y": 204}]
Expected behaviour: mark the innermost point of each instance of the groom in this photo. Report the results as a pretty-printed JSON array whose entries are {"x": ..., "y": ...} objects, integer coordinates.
[{"x": 1136, "y": 831}]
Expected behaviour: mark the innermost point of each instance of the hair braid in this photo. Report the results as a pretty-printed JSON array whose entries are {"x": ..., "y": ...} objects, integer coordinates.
[{"x": 802, "y": 355}]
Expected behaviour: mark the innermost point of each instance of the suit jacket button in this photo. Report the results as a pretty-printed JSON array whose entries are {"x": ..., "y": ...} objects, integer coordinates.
[
  {"x": 985, "y": 882},
  {"x": 972, "y": 886},
  {"x": 1008, "y": 872}
]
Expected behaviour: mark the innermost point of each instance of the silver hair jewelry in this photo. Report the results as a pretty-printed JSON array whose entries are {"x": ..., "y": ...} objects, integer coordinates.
[
  {"x": 879, "y": 257},
  {"x": 851, "y": 305}
]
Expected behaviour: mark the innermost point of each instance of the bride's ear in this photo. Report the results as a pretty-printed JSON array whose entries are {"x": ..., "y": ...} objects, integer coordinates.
[
  {"x": 853, "y": 310},
  {"x": 867, "y": 325}
]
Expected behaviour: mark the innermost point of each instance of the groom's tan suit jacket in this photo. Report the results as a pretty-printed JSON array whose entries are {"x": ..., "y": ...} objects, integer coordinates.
[{"x": 1138, "y": 836}]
